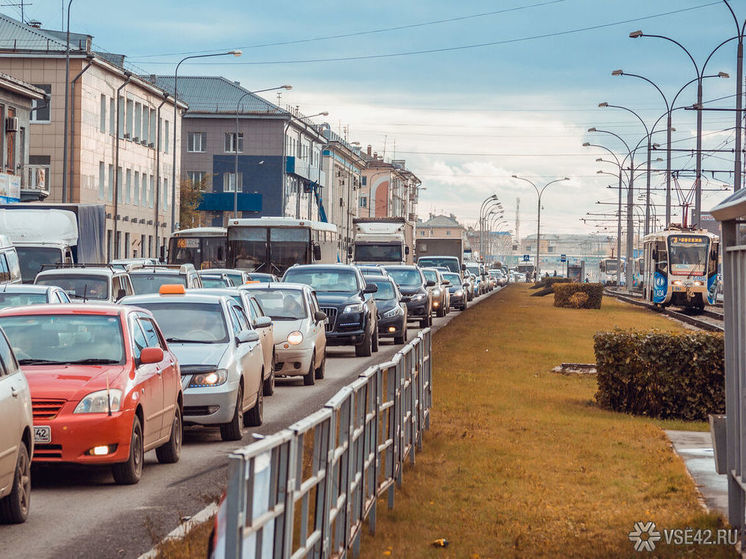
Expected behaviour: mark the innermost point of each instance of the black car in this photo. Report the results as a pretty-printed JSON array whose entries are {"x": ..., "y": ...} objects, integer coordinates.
[
  {"x": 457, "y": 289},
  {"x": 345, "y": 297},
  {"x": 392, "y": 313},
  {"x": 415, "y": 292}
]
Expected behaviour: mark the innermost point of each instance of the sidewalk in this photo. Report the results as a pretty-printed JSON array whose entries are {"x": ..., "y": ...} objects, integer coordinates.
[{"x": 695, "y": 449}]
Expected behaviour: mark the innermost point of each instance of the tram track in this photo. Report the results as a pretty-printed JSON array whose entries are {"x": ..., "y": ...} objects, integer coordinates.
[{"x": 709, "y": 319}]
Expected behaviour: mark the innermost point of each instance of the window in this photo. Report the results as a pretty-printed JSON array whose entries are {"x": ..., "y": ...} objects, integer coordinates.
[
  {"x": 138, "y": 122},
  {"x": 41, "y": 108},
  {"x": 153, "y": 138},
  {"x": 102, "y": 119},
  {"x": 120, "y": 188},
  {"x": 151, "y": 333},
  {"x": 165, "y": 193},
  {"x": 126, "y": 245},
  {"x": 363, "y": 201},
  {"x": 197, "y": 142},
  {"x": 38, "y": 171},
  {"x": 230, "y": 142},
  {"x": 165, "y": 136},
  {"x": 138, "y": 339},
  {"x": 129, "y": 118},
  {"x": 120, "y": 117},
  {"x": 145, "y": 137},
  {"x": 195, "y": 177},
  {"x": 136, "y": 194},
  {"x": 110, "y": 196},
  {"x": 109, "y": 241},
  {"x": 101, "y": 180},
  {"x": 6, "y": 355},
  {"x": 128, "y": 192},
  {"x": 144, "y": 192},
  {"x": 229, "y": 181},
  {"x": 112, "y": 118},
  {"x": 364, "y": 181},
  {"x": 151, "y": 195}
]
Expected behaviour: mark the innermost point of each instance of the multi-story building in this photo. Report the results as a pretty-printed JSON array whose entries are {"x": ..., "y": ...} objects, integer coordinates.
[
  {"x": 343, "y": 165},
  {"x": 16, "y": 100},
  {"x": 121, "y": 135},
  {"x": 277, "y": 152},
  {"x": 440, "y": 227}
]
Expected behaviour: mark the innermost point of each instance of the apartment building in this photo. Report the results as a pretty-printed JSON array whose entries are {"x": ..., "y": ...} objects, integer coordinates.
[{"x": 121, "y": 138}]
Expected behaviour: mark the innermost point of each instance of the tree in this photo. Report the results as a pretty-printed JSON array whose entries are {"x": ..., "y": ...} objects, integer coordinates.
[{"x": 191, "y": 196}]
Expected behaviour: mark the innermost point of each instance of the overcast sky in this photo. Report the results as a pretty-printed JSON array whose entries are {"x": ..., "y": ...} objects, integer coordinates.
[{"x": 464, "y": 119}]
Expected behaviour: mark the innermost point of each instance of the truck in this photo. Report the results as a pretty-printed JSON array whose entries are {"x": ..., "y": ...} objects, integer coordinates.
[
  {"x": 47, "y": 234},
  {"x": 380, "y": 240},
  {"x": 440, "y": 252}
]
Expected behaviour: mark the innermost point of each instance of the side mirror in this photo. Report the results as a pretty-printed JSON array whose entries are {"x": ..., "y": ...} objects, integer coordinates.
[
  {"x": 121, "y": 294},
  {"x": 247, "y": 336},
  {"x": 263, "y": 322},
  {"x": 370, "y": 288},
  {"x": 319, "y": 316},
  {"x": 430, "y": 283},
  {"x": 446, "y": 282},
  {"x": 316, "y": 252},
  {"x": 151, "y": 355}
]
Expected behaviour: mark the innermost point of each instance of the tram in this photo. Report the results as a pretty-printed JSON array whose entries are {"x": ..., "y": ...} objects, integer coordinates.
[
  {"x": 680, "y": 267},
  {"x": 608, "y": 269}
]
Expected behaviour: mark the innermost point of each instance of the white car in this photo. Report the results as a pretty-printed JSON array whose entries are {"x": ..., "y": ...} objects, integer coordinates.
[
  {"x": 220, "y": 357},
  {"x": 89, "y": 284},
  {"x": 299, "y": 328},
  {"x": 16, "y": 438}
]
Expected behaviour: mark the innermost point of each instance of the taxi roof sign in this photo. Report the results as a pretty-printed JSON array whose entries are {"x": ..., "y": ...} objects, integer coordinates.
[{"x": 172, "y": 289}]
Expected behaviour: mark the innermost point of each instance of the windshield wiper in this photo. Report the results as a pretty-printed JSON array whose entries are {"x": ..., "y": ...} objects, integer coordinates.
[
  {"x": 93, "y": 361},
  {"x": 38, "y": 362},
  {"x": 187, "y": 341}
]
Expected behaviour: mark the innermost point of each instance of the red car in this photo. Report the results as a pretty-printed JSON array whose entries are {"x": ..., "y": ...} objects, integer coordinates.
[{"x": 105, "y": 388}]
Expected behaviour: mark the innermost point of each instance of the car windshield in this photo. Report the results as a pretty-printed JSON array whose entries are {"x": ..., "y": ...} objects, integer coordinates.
[
  {"x": 65, "y": 338},
  {"x": 79, "y": 286},
  {"x": 199, "y": 323},
  {"x": 21, "y": 299},
  {"x": 236, "y": 278},
  {"x": 453, "y": 278},
  {"x": 451, "y": 263},
  {"x": 408, "y": 277},
  {"x": 385, "y": 290},
  {"x": 151, "y": 283},
  {"x": 262, "y": 278},
  {"x": 430, "y": 275},
  {"x": 281, "y": 304},
  {"x": 214, "y": 281},
  {"x": 325, "y": 281}
]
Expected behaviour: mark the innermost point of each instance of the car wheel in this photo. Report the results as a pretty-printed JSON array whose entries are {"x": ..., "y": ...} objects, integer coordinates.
[
  {"x": 310, "y": 377},
  {"x": 170, "y": 452},
  {"x": 365, "y": 348},
  {"x": 233, "y": 430},
  {"x": 321, "y": 371},
  {"x": 269, "y": 384},
  {"x": 441, "y": 312},
  {"x": 256, "y": 414},
  {"x": 14, "y": 508},
  {"x": 463, "y": 306},
  {"x": 130, "y": 472},
  {"x": 401, "y": 339},
  {"x": 374, "y": 347}
]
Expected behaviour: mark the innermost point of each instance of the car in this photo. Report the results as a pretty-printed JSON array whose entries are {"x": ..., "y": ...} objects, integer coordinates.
[
  {"x": 16, "y": 438},
  {"x": 149, "y": 279},
  {"x": 98, "y": 284},
  {"x": 127, "y": 263},
  {"x": 370, "y": 270},
  {"x": 105, "y": 388},
  {"x": 10, "y": 266},
  {"x": 215, "y": 279},
  {"x": 344, "y": 296},
  {"x": 457, "y": 290},
  {"x": 440, "y": 293},
  {"x": 263, "y": 278},
  {"x": 468, "y": 286},
  {"x": 299, "y": 328},
  {"x": 238, "y": 277},
  {"x": 28, "y": 294},
  {"x": 415, "y": 293},
  {"x": 221, "y": 359},
  {"x": 258, "y": 321},
  {"x": 392, "y": 312}
]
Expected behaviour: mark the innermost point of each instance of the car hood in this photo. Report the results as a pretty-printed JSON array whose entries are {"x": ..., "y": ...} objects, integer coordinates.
[
  {"x": 386, "y": 305},
  {"x": 283, "y": 327},
  {"x": 198, "y": 354},
  {"x": 71, "y": 382},
  {"x": 411, "y": 290},
  {"x": 337, "y": 299}
]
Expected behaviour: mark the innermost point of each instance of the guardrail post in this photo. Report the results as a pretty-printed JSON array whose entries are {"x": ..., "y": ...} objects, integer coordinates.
[
  {"x": 373, "y": 480},
  {"x": 234, "y": 508}
]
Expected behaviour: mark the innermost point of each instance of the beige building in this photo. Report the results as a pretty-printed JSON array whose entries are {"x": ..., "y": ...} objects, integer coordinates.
[
  {"x": 440, "y": 227},
  {"x": 120, "y": 135}
]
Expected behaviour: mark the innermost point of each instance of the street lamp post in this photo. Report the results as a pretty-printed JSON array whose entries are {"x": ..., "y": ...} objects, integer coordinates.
[
  {"x": 235, "y": 162},
  {"x": 176, "y": 105},
  {"x": 481, "y": 210},
  {"x": 494, "y": 206},
  {"x": 539, "y": 192}
]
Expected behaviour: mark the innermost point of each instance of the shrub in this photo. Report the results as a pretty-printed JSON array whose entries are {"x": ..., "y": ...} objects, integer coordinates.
[
  {"x": 564, "y": 291},
  {"x": 549, "y": 282},
  {"x": 579, "y": 300},
  {"x": 661, "y": 374}
]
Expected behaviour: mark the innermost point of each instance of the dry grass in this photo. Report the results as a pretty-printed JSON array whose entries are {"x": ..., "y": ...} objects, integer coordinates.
[
  {"x": 193, "y": 546},
  {"x": 519, "y": 461}
]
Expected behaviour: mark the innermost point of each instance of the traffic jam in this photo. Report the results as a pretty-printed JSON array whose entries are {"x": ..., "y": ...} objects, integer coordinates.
[{"x": 102, "y": 363}]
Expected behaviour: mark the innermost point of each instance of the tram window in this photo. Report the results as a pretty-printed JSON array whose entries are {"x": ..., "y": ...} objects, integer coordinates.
[{"x": 712, "y": 268}]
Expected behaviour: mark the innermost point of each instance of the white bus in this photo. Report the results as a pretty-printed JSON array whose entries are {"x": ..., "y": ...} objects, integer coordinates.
[
  {"x": 273, "y": 244},
  {"x": 204, "y": 247}
]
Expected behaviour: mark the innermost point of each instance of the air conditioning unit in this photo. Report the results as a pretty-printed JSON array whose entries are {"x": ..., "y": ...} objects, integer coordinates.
[
  {"x": 126, "y": 218},
  {"x": 126, "y": 135},
  {"x": 136, "y": 139},
  {"x": 144, "y": 142},
  {"x": 341, "y": 201},
  {"x": 151, "y": 144},
  {"x": 11, "y": 124}
]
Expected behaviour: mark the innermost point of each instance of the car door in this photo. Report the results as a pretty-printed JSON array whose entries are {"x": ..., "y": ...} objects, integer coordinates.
[
  {"x": 170, "y": 376},
  {"x": 149, "y": 382},
  {"x": 318, "y": 328},
  {"x": 266, "y": 334},
  {"x": 249, "y": 354},
  {"x": 14, "y": 396}
]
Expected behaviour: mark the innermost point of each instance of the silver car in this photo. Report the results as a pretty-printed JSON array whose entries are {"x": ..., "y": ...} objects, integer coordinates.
[
  {"x": 27, "y": 294},
  {"x": 16, "y": 438},
  {"x": 220, "y": 357},
  {"x": 299, "y": 328}
]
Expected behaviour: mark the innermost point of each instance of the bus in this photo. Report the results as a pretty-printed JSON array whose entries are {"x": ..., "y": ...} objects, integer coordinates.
[
  {"x": 203, "y": 247},
  {"x": 273, "y": 244},
  {"x": 681, "y": 267}
]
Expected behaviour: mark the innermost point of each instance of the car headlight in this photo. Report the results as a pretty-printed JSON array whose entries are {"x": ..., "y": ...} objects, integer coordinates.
[
  {"x": 294, "y": 338},
  {"x": 393, "y": 312},
  {"x": 100, "y": 402},
  {"x": 418, "y": 297},
  {"x": 459, "y": 293},
  {"x": 212, "y": 378},
  {"x": 357, "y": 307}
]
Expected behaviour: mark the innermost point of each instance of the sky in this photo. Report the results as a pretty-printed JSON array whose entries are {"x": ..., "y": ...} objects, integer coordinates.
[{"x": 469, "y": 93}]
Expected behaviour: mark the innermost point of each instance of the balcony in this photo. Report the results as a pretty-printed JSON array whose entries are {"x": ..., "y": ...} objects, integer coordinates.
[{"x": 301, "y": 168}]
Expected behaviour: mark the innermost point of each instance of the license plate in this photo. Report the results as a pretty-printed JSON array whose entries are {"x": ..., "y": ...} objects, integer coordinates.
[{"x": 42, "y": 434}]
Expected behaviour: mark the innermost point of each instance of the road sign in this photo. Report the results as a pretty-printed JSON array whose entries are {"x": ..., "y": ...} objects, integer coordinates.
[
  {"x": 563, "y": 258},
  {"x": 526, "y": 258}
]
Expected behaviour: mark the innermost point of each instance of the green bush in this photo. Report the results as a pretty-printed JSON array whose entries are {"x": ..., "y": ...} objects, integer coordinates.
[
  {"x": 549, "y": 282},
  {"x": 564, "y": 291},
  {"x": 661, "y": 374}
]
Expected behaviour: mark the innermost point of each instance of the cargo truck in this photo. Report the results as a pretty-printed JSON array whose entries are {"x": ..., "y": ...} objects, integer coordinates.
[
  {"x": 380, "y": 241},
  {"x": 441, "y": 252}
]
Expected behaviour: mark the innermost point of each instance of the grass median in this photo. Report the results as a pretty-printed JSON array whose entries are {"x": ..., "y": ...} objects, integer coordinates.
[{"x": 520, "y": 462}]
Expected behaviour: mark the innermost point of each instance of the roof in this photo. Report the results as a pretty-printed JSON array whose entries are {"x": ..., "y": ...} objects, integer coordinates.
[
  {"x": 200, "y": 231},
  {"x": 216, "y": 95},
  {"x": 82, "y": 270},
  {"x": 275, "y": 285},
  {"x": 176, "y": 298},
  {"x": 26, "y": 288},
  {"x": 20, "y": 87},
  {"x": 17, "y": 36},
  {"x": 440, "y": 221},
  {"x": 70, "y": 308}
]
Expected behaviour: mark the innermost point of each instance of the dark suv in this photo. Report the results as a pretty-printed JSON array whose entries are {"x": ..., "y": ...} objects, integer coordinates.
[
  {"x": 345, "y": 297},
  {"x": 415, "y": 292}
]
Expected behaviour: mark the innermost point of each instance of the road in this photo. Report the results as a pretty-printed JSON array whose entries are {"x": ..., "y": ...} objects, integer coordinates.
[{"x": 80, "y": 512}]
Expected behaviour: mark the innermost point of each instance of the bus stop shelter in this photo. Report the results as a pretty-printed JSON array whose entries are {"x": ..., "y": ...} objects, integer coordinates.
[{"x": 731, "y": 213}]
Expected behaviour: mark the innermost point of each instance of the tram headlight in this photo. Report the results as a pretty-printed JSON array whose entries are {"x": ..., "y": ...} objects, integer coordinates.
[
  {"x": 677, "y": 282},
  {"x": 699, "y": 283}
]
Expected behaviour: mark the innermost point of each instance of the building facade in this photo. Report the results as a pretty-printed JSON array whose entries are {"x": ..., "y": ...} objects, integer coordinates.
[
  {"x": 440, "y": 227},
  {"x": 277, "y": 152},
  {"x": 121, "y": 135}
]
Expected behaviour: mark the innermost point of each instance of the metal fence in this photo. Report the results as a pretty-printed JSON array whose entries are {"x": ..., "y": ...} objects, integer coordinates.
[{"x": 307, "y": 490}]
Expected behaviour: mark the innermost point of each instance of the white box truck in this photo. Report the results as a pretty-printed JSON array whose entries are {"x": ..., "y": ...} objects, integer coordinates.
[{"x": 380, "y": 241}]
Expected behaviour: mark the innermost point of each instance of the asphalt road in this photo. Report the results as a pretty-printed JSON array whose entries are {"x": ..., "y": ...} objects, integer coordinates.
[{"x": 81, "y": 513}]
